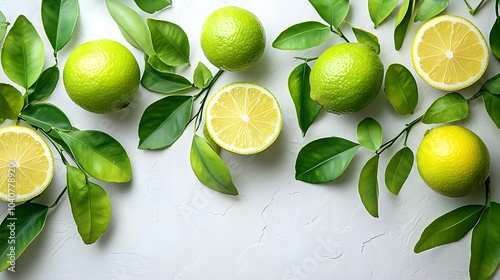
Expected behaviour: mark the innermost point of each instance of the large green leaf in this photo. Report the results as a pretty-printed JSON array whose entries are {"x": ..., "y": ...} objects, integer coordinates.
[
  {"x": 163, "y": 82},
  {"x": 366, "y": 38},
  {"x": 368, "y": 186},
  {"x": 398, "y": 170},
  {"x": 59, "y": 19},
  {"x": 3, "y": 26},
  {"x": 170, "y": 42},
  {"x": 495, "y": 38},
  {"x": 332, "y": 11},
  {"x": 152, "y": 6},
  {"x": 45, "y": 85},
  {"x": 23, "y": 53},
  {"x": 302, "y": 36},
  {"x": 131, "y": 25},
  {"x": 46, "y": 116},
  {"x": 380, "y": 9},
  {"x": 369, "y": 133},
  {"x": 449, "y": 108},
  {"x": 449, "y": 228},
  {"x": 90, "y": 205},
  {"x": 19, "y": 228},
  {"x": 324, "y": 160},
  {"x": 430, "y": 8},
  {"x": 403, "y": 22},
  {"x": 492, "y": 103},
  {"x": 11, "y": 102},
  {"x": 492, "y": 85},
  {"x": 299, "y": 87},
  {"x": 401, "y": 89},
  {"x": 485, "y": 245},
  {"x": 99, "y": 154},
  {"x": 209, "y": 167},
  {"x": 164, "y": 121}
]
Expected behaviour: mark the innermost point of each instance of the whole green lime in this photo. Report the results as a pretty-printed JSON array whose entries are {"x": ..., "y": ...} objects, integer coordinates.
[
  {"x": 346, "y": 78},
  {"x": 233, "y": 38},
  {"x": 101, "y": 76}
]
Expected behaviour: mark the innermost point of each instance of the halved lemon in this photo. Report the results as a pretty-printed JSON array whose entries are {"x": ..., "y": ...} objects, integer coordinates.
[
  {"x": 449, "y": 53},
  {"x": 243, "y": 118},
  {"x": 26, "y": 164}
]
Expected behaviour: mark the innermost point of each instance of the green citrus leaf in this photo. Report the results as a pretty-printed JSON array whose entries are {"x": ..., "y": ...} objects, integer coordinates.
[
  {"x": 449, "y": 228},
  {"x": 25, "y": 222},
  {"x": 492, "y": 85},
  {"x": 332, "y": 11},
  {"x": 164, "y": 121},
  {"x": 163, "y": 82},
  {"x": 209, "y": 167},
  {"x": 11, "y": 102},
  {"x": 131, "y": 25},
  {"x": 485, "y": 245},
  {"x": 369, "y": 134},
  {"x": 3, "y": 26},
  {"x": 59, "y": 19},
  {"x": 401, "y": 89},
  {"x": 298, "y": 84},
  {"x": 495, "y": 38},
  {"x": 449, "y": 108},
  {"x": 99, "y": 154},
  {"x": 324, "y": 160},
  {"x": 398, "y": 170},
  {"x": 46, "y": 116},
  {"x": 302, "y": 36},
  {"x": 366, "y": 38},
  {"x": 201, "y": 76},
  {"x": 430, "y": 8},
  {"x": 23, "y": 53},
  {"x": 170, "y": 42},
  {"x": 152, "y": 6},
  {"x": 402, "y": 22},
  {"x": 45, "y": 85},
  {"x": 368, "y": 186},
  {"x": 380, "y": 9},
  {"x": 158, "y": 65},
  {"x": 90, "y": 205},
  {"x": 492, "y": 103}
]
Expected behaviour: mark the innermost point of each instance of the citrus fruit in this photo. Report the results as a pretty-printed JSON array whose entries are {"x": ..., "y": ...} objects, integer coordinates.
[
  {"x": 453, "y": 160},
  {"x": 243, "y": 118},
  {"x": 101, "y": 76},
  {"x": 346, "y": 78},
  {"x": 232, "y": 38},
  {"x": 26, "y": 164},
  {"x": 449, "y": 53}
]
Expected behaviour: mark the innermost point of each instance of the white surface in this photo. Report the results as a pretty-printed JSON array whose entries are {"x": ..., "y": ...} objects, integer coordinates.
[{"x": 166, "y": 225}]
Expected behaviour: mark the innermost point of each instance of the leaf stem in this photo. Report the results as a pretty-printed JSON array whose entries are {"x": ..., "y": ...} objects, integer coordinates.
[
  {"x": 198, "y": 116},
  {"x": 306, "y": 59},
  {"x": 406, "y": 130},
  {"x": 475, "y": 96},
  {"x": 339, "y": 33},
  {"x": 58, "y": 198}
]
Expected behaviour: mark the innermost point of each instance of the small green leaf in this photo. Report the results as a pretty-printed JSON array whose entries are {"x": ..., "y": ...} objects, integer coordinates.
[
  {"x": 369, "y": 134},
  {"x": 131, "y": 25},
  {"x": 170, "y": 42},
  {"x": 366, "y": 38},
  {"x": 25, "y": 221},
  {"x": 449, "y": 228},
  {"x": 324, "y": 160},
  {"x": 46, "y": 116},
  {"x": 3, "y": 26},
  {"x": 164, "y": 121},
  {"x": 485, "y": 245},
  {"x": 401, "y": 89},
  {"x": 492, "y": 103},
  {"x": 201, "y": 76},
  {"x": 59, "y": 19},
  {"x": 45, "y": 85},
  {"x": 492, "y": 85},
  {"x": 495, "y": 38},
  {"x": 90, "y": 205},
  {"x": 402, "y": 22},
  {"x": 449, "y": 108},
  {"x": 332, "y": 11},
  {"x": 11, "y": 102},
  {"x": 302, "y": 36},
  {"x": 430, "y": 8},
  {"x": 152, "y": 6},
  {"x": 99, "y": 154},
  {"x": 380, "y": 9},
  {"x": 306, "y": 108},
  {"x": 23, "y": 53},
  {"x": 161, "y": 82},
  {"x": 398, "y": 170},
  {"x": 368, "y": 186},
  {"x": 209, "y": 167}
]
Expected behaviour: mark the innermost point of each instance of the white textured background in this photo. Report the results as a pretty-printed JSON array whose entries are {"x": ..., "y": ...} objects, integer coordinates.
[{"x": 166, "y": 225}]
